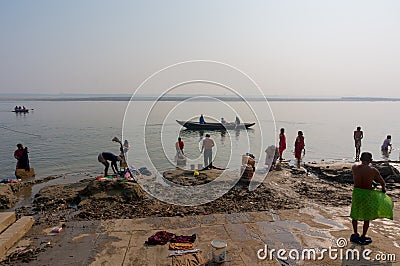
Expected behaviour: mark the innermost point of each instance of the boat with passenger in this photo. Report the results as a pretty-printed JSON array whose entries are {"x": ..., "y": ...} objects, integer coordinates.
[
  {"x": 19, "y": 109},
  {"x": 214, "y": 125}
]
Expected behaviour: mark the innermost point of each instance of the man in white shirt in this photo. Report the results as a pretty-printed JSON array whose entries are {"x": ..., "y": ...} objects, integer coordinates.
[{"x": 207, "y": 146}]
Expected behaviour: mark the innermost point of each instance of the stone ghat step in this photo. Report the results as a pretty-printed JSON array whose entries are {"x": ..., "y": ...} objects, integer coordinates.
[
  {"x": 14, "y": 233},
  {"x": 6, "y": 219}
]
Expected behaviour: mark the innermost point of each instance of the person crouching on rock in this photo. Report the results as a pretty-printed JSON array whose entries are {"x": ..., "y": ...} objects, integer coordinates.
[{"x": 104, "y": 157}]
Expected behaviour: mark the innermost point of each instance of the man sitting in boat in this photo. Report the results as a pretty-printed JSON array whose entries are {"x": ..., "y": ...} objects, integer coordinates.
[
  {"x": 202, "y": 119},
  {"x": 223, "y": 121},
  {"x": 237, "y": 120}
]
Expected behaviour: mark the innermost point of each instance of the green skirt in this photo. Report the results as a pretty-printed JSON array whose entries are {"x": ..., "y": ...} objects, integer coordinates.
[{"x": 369, "y": 204}]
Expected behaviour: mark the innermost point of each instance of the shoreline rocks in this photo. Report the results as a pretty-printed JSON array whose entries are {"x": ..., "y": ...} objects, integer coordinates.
[
  {"x": 341, "y": 172},
  {"x": 9, "y": 191},
  {"x": 289, "y": 188}
]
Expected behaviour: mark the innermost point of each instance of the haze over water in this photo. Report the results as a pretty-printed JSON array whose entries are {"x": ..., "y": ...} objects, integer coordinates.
[{"x": 67, "y": 136}]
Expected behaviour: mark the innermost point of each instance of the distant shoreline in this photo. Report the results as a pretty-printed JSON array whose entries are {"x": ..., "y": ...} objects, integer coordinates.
[{"x": 201, "y": 98}]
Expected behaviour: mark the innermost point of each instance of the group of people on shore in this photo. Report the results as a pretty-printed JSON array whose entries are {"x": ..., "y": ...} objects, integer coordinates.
[
  {"x": 364, "y": 175},
  {"x": 206, "y": 148},
  {"x": 386, "y": 147},
  {"x": 299, "y": 145},
  {"x": 366, "y": 206},
  {"x": 299, "y": 149},
  {"x": 363, "y": 207},
  {"x": 208, "y": 144}
]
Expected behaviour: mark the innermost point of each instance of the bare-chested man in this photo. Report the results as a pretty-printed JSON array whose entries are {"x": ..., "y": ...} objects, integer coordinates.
[
  {"x": 358, "y": 135},
  {"x": 364, "y": 175}
]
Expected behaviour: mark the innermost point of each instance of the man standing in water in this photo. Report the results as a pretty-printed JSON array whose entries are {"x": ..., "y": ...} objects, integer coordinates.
[
  {"x": 207, "y": 146},
  {"x": 362, "y": 205},
  {"x": 358, "y": 135}
]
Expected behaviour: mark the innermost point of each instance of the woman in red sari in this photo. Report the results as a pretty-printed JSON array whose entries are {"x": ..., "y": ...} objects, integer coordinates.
[
  {"x": 282, "y": 143},
  {"x": 299, "y": 147}
]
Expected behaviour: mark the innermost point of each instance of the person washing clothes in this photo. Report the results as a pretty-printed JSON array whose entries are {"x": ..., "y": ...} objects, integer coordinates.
[{"x": 104, "y": 157}]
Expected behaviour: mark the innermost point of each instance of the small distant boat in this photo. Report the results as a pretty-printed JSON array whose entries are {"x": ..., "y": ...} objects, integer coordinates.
[
  {"x": 214, "y": 126},
  {"x": 21, "y": 111}
]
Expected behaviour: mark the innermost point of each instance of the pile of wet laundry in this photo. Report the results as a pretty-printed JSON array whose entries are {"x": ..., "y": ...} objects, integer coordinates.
[
  {"x": 183, "y": 249},
  {"x": 127, "y": 175},
  {"x": 10, "y": 180}
]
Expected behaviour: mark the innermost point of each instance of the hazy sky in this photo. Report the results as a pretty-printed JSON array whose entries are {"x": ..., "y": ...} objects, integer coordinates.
[{"x": 290, "y": 48}]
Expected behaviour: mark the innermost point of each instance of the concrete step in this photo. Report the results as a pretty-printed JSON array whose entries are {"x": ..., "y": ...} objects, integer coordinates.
[
  {"x": 6, "y": 219},
  {"x": 14, "y": 233}
]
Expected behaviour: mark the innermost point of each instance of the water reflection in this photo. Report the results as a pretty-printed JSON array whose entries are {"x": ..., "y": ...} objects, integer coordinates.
[
  {"x": 237, "y": 134},
  {"x": 385, "y": 155},
  {"x": 223, "y": 133},
  {"x": 229, "y": 145},
  {"x": 188, "y": 133}
]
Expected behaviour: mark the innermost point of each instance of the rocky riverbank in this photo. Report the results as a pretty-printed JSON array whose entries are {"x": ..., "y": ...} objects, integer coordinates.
[
  {"x": 9, "y": 192},
  {"x": 290, "y": 188},
  {"x": 318, "y": 184},
  {"x": 341, "y": 172}
]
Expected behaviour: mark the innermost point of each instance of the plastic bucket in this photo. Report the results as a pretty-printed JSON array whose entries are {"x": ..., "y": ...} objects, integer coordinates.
[
  {"x": 245, "y": 159},
  {"x": 218, "y": 250}
]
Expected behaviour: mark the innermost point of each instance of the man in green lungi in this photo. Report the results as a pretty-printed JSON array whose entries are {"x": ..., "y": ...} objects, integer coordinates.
[{"x": 367, "y": 204}]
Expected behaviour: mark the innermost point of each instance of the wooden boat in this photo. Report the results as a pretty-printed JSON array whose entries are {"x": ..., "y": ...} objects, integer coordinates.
[
  {"x": 21, "y": 111},
  {"x": 214, "y": 126}
]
